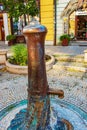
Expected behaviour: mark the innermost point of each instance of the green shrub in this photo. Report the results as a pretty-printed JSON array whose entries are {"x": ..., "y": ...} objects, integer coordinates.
[
  {"x": 19, "y": 56},
  {"x": 65, "y": 36},
  {"x": 10, "y": 37}
]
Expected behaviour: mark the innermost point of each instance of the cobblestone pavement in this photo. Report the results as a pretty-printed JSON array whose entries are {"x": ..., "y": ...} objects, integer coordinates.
[{"x": 13, "y": 87}]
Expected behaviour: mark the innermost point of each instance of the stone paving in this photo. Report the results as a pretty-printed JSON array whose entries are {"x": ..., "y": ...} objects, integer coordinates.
[
  {"x": 71, "y": 50},
  {"x": 13, "y": 87},
  {"x": 75, "y": 49}
]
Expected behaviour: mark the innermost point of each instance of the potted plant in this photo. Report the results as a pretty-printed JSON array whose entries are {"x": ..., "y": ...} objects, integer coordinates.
[
  {"x": 65, "y": 39},
  {"x": 10, "y": 38}
]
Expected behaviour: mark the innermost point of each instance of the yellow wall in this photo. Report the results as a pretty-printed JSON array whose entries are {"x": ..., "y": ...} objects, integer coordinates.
[
  {"x": 9, "y": 25},
  {"x": 47, "y": 17},
  {"x": 72, "y": 24}
]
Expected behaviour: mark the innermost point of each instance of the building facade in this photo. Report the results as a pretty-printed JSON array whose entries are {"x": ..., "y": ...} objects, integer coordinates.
[
  {"x": 46, "y": 17},
  {"x": 61, "y": 4},
  {"x": 5, "y": 24},
  {"x": 59, "y": 16},
  {"x": 75, "y": 14}
]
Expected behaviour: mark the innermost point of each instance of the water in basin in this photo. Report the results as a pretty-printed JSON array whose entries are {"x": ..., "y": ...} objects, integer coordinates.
[{"x": 13, "y": 116}]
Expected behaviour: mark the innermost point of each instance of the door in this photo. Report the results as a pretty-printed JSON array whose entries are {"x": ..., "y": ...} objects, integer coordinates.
[
  {"x": 2, "y": 33},
  {"x": 81, "y": 29}
]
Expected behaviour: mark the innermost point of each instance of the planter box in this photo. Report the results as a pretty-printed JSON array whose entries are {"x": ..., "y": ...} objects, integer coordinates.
[
  {"x": 11, "y": 42},
  {"x": 20, "y": 39},
  {"x": 16, "y": 69},
  {"x": 24, "y": 69}
]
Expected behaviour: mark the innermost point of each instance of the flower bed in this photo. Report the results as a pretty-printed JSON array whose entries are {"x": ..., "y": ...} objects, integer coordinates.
[{"x": 17, "y": 69}]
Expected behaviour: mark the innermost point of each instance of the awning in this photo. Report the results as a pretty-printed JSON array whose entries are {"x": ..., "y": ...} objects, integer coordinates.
[{"x": 72, "y": 6}]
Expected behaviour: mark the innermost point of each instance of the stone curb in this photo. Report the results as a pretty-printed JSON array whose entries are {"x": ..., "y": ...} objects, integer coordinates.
[
  {"x": 16, "y": 69},
  {"x": 75, "y": 68},
  {"x": 50, "y": 63},
  {"x": 69, "y": 59},
  {"x": 24, "y": 69},
  {"x": 3, "y": 56}
]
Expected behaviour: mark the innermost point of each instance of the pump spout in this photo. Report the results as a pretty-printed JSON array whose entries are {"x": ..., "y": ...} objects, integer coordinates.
[{"x": 58, "y": 92}]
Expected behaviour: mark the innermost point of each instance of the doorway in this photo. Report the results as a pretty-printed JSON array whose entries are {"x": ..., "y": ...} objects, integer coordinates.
[
  {"x": 81, "y": 29},
  {"x": 2, "y": 33}
]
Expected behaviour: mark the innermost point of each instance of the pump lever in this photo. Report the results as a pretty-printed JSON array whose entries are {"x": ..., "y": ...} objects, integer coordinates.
[{"x": 58, "y": 92}]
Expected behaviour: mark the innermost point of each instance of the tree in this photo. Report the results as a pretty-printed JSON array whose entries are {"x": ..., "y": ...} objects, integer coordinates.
[{"x": 17, "y": 8}]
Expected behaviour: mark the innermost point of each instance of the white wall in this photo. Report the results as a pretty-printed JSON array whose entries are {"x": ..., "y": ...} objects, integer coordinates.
[
  {"x": 61, "y": 4},
  {"x": 5, "y": 19}
]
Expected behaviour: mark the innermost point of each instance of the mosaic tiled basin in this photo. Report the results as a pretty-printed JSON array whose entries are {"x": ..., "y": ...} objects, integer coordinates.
[{"x": 59, "y": 110}]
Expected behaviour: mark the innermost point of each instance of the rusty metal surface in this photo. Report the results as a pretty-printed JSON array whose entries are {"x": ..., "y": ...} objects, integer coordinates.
[
  {"x": 36, "y": 64},
  {"x": 58, "y": 92},
  {"x": 38, "y": 109}
]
